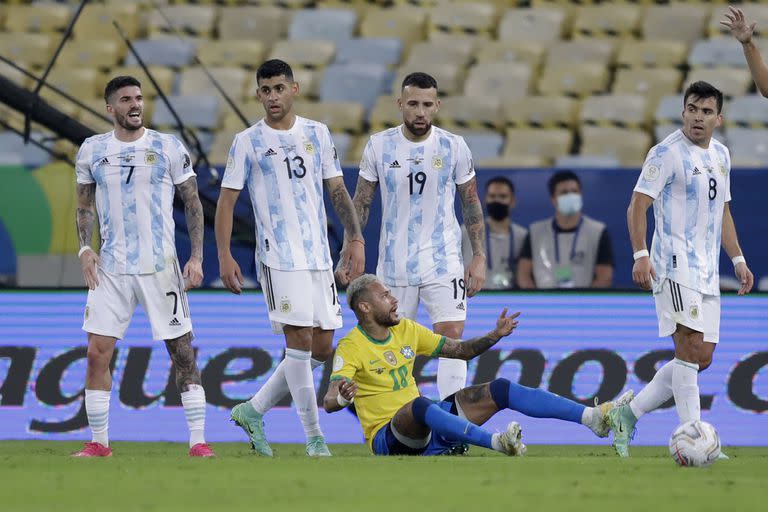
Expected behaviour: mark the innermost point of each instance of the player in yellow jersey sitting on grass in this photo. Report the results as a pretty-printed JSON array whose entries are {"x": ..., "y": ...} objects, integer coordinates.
[{"x": 373, "y": 366}]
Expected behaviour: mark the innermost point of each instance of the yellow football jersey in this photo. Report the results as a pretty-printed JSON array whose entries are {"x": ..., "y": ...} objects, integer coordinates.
[{"x": 383, "y": 370}]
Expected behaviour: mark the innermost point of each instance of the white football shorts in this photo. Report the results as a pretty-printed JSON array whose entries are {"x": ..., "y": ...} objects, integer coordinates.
[
  {"x": 110, "y": 307},
  {"x": 676, "y": 304},
  {"x": 445, "y": 299},
  {"x": 302, "y": 298}
]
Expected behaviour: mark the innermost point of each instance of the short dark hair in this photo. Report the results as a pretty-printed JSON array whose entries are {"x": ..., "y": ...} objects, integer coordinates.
[
  {"x": 702, "y": 90},
  {"x": 118, "y": 83},
  {"x": 273, "y": 68},
  {"x": 420, "y": 80},
  {"x": 560, "y": 177},
  {"x": 502, "y": 180}
]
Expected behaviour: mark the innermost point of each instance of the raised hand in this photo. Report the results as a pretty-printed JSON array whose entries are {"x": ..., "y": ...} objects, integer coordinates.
[
  {"x": 506, "y": 324},
  {"x": 739, "y": 26}
]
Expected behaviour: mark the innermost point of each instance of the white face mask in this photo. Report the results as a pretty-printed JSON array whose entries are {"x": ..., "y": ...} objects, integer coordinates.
[{"x": 569, "y": 204}]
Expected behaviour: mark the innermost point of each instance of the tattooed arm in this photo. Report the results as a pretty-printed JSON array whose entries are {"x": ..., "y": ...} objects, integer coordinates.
[
  {"x": 364, "y": 193},
  {"x": 472, "y": 211},
  {"x": 86, "y": 218},
  {"x": 193, "y": 210},
  {"x": 469, "y": 349},
  {"x": 352, "y": 262}
]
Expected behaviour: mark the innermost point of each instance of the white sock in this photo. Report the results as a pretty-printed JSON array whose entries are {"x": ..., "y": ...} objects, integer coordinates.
[
  {"x": 298, "y": 374},
  {"x": 451, "y": 376},
  {"x": 685, "y": 387},
  {"x": 655, "y": 393},
  {"x": 275, "y": 388},
  {"x": 194, "y": 409},
  {"x": 496, "y": 442},
  {"x": 97, "y": 410},
  {"x": 587, "y": 416}
]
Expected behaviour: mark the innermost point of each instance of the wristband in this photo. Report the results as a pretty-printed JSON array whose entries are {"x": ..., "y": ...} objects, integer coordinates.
[
  {"x": 83, "y": 249},
  {"x": 343, "y": 402},
  {"x": 640, "y": 254},
  {"x": 739, "y": 259}
]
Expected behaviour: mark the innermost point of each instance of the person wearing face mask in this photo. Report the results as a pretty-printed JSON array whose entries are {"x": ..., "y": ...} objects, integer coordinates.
[
  {"x": 569, "y": 250},
  {"x": 503, "y": 238}
]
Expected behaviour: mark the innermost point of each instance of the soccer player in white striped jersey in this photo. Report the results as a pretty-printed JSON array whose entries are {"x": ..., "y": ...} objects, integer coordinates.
[
  {"x": 687, "y": 178},
  {"x": 419, "y": 167},
  {"x": 285, "y": 160},
  {"x": 130, "y": 175}
]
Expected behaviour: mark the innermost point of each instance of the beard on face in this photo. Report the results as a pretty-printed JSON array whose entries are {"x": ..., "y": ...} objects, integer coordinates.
[
  {"x": 419, "y": 132},
  {"x": 385, "y": 319},
  {"x": 124, "y": 121}
]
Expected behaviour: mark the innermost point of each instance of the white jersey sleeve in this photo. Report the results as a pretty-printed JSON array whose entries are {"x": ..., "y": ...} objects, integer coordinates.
[
  {"x": 465, "y": 168},
  {"x": 727, "y": 155},
  {"x": 83, "y": 165},
  {"x": 329, "y": 156},
  {"x": 180, "y": 164},
  {"x": 238, "y": 164},
  {"x": 658, "y": 171},
  {"x": 368, "y": 168}
]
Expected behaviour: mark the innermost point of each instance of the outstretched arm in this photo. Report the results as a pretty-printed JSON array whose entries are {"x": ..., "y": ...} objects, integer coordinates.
[
  {"x": 469, "y": 349},
  {"x": 352, "y": 262},
  {"x": 85, "y": 217},
  {"x": 472, "y": 211},
  {"x": 193, "y": 211},
  {"x": 730, "y": 243},
  {"x": 742, "y": 30}
]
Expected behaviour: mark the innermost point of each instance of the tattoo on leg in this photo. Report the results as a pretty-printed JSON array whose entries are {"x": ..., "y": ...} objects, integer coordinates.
[
  {"x": 474, "y": 394},
  {"x": 184, "y": 361}
]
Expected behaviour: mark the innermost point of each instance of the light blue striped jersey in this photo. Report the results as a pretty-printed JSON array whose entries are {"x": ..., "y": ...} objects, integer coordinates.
[
  {"x": 284, "y": 171},
  {"x": 690, "y": 186},
  {"x": 420, "y": 237},
  {"x": 134, "y": 197}
]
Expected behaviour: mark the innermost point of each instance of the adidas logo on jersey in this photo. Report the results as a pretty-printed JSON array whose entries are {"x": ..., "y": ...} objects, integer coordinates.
[
  {"x": 394, "y": 165},
  {"x": 460, "y": 306},
  {"x": 104, "y": 161},
  {"x": 270, "y": 152},
  {"x": 696, "y": 171},
  {"x": 174, "y": 323}
]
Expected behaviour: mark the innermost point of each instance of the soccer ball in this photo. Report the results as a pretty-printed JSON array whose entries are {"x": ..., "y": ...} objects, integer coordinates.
[{"x": 694, "y": 443}]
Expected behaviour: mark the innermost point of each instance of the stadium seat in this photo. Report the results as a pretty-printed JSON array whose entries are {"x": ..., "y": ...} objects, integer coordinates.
[
  {"x": 607, "y": 20},
  {"x": 547, "y": 144},
  {"x": 97, "y": 53},
  {"x": 749, "y": 111},
  {"x": 544, "y": 25},
  {"x": 33, "y": 49},
  {"x": 575, "y": 79},
  {"x": 39, "y": 17},
  {"x": 247, "y": 53},
  {"x": 13, "y": 151},
  {"x": 95, "y": 21},
  {"x": 473, "y": 19},
  {"x": 732, "y": 82},
  {"x": 449, "y": 76},
  {"x": 470, "y": 112},
  {"x": 748, "y": 146},
  {"x": 600, "y": 51},
  {"x": 340, "y": 116},
  {"x": 572, "y": 162},
  {"x": 13, "y": 74},
  {"x": 304, "y": 53},
  {"x": 97, "y": 123},
  {"x": 511, "y": 51},
  {"x": 190, "y": 20},
  {"x": 222, "y": 142},
  {"x": 164, "y": 76},
  {"x": 385, "y": 113},
  {"x": 374, "y": 50},
  {"x": 541, "y": 112},
  {"x": 504, "y": 80},
  {"x": 329, "y": 24},
  {"x": 653, "y": 84},
  {"x": 651, "y": 54},
  {"x": 234, "y": 81},
  {"x": 457, "y": 52},
  {"x": 355, "y": 151},
  {"x": 194, "y": 111},
  {"x": 342, "y": 142},
  {"x": 171, "y": 52},
  {"x": 60, "y": 102},
  {"x": 629, "y": 147},
  {"x": 619, "y": 110},
  {"x": 675, "y": 22},
  {"x": 81, "y": 82},
  {"x": 252, "y": 110},
  {"x": 512, "y": 161},
  {"x": 360, "y": 83},
  {"x": 753, "y": 11},
  {"x": 263, "y": 23},
  {"x": 483, "y": 144},
  {"x": 407, "y": 24},
  {"x": 718, "y": 52}
]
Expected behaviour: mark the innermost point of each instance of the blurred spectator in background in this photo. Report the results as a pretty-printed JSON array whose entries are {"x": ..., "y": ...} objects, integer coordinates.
[
  {"x": 503, "y": 238},
  {"x": 569, "y": 250}
]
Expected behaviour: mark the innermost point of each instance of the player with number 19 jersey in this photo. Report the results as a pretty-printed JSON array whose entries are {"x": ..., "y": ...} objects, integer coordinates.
[
  {"x": 690, "y": 186},
  {"x": 420, "y": 237}
]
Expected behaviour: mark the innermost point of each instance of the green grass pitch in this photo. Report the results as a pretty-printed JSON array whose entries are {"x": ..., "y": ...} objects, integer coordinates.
[{"x": 39, "y": 476}]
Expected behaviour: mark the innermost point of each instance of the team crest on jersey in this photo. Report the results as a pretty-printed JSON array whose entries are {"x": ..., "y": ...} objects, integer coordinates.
[
  {"x": 285, "y": 306},
  {"x": 390, "y": 357},
  {"x": 309, "y": 147},
  {"x": 723, "y": 170},
  {"x": 150, "y": 158},
  {"x": 407, "y": 352},
  {"x": 651, "y": 173},
  {"x": 437, "y": 162},
  {"x": 338, "y": 363},
  {"x": 694, "y": 311}
]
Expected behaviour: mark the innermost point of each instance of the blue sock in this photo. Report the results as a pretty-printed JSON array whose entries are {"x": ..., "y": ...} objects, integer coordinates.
[
  {"x": 449, "y": 426},
  {"x": 534, "y": 402}
]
